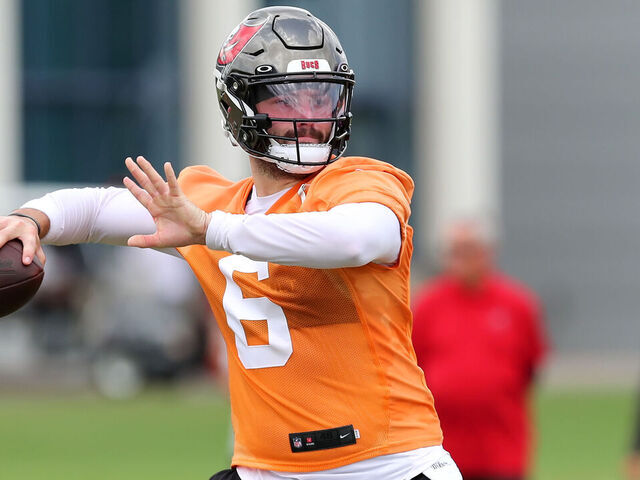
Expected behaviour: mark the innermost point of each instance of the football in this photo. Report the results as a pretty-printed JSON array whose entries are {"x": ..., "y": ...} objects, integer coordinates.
[{"x": 18, "y": 282}]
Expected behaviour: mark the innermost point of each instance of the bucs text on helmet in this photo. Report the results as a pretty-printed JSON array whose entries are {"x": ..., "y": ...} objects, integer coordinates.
[{"x": 289, "y": 63}]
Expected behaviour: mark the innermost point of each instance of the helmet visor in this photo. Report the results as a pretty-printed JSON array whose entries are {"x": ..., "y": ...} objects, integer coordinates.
[{"x": 306, "y": 111}]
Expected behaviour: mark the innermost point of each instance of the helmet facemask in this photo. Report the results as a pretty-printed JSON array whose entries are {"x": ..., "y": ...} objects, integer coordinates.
[{"x": 298, "y": 122}]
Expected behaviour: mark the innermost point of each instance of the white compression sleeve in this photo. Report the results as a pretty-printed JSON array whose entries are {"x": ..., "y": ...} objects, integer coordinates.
[
  {"x": 348, "y": 235},
  {"x": 345, "y": 236},
  {"x": 93, "y": 215}
]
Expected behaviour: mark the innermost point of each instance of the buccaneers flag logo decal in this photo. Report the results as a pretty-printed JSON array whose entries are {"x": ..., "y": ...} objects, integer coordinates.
[{"x": 236, "y": 41}]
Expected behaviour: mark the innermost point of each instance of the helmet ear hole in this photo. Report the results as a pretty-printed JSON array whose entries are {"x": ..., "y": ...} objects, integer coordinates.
[
  {"x": 249, "y": 137},
  {"x": 238, "y": 86}
]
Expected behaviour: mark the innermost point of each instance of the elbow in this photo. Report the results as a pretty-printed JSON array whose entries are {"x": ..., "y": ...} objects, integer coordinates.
[
  {"x": 362, "y": 245},
  {"x": 355, "y": 253}
]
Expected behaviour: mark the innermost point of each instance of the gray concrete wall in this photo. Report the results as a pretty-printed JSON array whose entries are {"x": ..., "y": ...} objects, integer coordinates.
[{"x": 571, "y": 165}]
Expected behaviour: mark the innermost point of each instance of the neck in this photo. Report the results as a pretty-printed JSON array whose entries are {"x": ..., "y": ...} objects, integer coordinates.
[{"x": 269, "y": 179}]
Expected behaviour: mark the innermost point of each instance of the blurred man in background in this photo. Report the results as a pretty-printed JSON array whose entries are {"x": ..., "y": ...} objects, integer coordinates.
[{"x": 478, "y": 336}]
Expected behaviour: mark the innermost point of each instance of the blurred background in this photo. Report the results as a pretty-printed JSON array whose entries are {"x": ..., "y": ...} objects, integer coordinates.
[{"x": 524, "y": 113}]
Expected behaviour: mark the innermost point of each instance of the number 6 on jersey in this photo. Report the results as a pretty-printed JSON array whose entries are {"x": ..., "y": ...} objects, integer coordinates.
[{"x": 277, "y": 352}]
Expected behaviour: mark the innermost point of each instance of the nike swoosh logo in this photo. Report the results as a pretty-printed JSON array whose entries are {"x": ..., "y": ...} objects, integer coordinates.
[{"x": 342, "y": 436}]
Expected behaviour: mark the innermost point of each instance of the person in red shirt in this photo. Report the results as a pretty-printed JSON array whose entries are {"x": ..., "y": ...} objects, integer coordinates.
[{"x": 478, "y": 337}]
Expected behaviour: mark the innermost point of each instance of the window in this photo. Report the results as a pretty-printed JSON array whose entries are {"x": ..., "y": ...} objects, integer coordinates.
[{"x": 100, "y": 82}]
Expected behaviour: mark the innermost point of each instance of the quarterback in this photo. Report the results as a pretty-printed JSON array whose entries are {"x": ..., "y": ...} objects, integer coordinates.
[{"x": 305, "y": 264}]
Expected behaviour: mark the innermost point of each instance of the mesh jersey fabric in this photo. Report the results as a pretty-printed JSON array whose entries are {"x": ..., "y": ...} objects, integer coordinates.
[{"x": 348, "y": 330}]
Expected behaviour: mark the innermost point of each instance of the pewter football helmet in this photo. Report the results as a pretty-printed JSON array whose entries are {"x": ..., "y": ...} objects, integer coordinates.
[{"x": 286, "y": 57}]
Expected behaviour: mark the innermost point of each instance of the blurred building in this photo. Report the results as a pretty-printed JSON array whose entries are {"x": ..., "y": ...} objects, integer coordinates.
[
  {"x": 570, "y": 149},
  {"x": 521, "y": 111}
]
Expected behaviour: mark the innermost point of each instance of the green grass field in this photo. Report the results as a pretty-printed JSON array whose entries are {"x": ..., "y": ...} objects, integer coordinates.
[
  {"x": 175, "y": 435},
  {"x": 583, "y": 436}
]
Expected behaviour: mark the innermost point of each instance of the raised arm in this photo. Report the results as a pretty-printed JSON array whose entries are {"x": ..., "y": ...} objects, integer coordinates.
[
  {"x": 92, "y": 215},
  {"x": 86, "y": 215},
  {"x": 346, "y": 236}
]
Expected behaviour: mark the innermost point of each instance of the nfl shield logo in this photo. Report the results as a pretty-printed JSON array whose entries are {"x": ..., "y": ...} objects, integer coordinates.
[{"x": 297, "y": 442}]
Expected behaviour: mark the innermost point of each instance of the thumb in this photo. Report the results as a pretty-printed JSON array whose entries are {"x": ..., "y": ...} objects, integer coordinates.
[{"x": 143, "y": 241}]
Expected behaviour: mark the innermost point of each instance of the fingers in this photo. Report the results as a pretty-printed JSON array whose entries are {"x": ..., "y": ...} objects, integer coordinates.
[
  {"x": 30, "y": 245},
  {"x": 6, "y": 229},
  {"x": 150, "y": 180},
  {"x": 141, "y": 195},
  {"x": 156, "y": 180},
  {"x": 141, "y": 177},
  {"x": 14, "y": 228},
  {"x": 174, "y": 188}
]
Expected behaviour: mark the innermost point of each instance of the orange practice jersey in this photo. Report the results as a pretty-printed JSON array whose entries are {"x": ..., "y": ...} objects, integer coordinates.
[{"x": 315, "y": 349}]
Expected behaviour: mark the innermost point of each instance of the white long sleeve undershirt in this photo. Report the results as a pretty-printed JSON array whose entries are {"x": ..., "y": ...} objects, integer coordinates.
[{"x": 348, "y": 235}]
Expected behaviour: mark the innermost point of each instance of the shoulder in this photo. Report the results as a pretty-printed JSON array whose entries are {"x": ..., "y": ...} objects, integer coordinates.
[
  {"x": 209, "y": 189},
  {"x": 201, "y": 174},
  {"x": 361, "y": 179},
  {"x": 364, "y": 171}
]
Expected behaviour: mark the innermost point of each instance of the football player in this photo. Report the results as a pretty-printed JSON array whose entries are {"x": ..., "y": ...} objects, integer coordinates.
[{"x": 305, "y": 264}]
